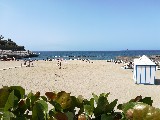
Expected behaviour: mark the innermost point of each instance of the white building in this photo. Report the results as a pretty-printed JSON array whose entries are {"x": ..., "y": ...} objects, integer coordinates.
[{"x": 144, "y": 71}]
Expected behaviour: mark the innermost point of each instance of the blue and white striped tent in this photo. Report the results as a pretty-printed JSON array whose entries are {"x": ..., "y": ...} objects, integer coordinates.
[{"x": 144, "y": 71}]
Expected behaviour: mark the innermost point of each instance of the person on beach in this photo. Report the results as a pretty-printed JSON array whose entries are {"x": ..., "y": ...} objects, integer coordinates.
[
  {"x": 13, "y": 59},
  {"x": 32, "y": 64},
  {"x": 29, "y": 63},
  {"x": 60, "y": 65},
  {"x": 25, "y": 62}
]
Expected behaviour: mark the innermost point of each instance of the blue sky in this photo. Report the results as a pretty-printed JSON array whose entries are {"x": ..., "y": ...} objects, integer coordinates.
[{"x": 82, "y": 24}]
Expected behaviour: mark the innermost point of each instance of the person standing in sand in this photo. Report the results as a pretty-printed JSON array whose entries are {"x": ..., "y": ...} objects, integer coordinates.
[{"x": 60, "y": 63}]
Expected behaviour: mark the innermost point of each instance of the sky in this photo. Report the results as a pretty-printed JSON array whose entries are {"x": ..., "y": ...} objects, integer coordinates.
[{"x": 82, "y": 25}]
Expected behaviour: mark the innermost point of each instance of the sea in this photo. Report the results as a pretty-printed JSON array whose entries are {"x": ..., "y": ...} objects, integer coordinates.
[{"x": 92, "y": 55}]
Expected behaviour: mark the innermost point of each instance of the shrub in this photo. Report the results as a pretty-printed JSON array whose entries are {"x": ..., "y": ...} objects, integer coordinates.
[{"x": 15, "y": 104}]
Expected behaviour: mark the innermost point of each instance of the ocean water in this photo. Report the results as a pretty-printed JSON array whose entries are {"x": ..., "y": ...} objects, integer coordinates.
[{"x": 93, "y": 55}]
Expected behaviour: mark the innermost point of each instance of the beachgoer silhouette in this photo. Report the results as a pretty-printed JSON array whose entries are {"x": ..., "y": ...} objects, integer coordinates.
[{"x": 60, "y": 65}]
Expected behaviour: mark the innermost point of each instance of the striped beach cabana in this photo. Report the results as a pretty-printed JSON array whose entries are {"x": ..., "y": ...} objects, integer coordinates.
[{"x": 144, "y": 71}]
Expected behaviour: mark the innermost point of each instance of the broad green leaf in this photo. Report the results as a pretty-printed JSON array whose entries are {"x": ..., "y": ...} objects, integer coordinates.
[
  {"x": 30, "y": 99},
  {"x": 7, "y": 115},
  {"x": 92, "y": 102},
  {"x": 52, "y": 112},
  {"x": 4, "y": 93},
  {"x": 86, "y": 102},
  {"x": 78, "y": 101},
  {"x": 102, "y": 102},
  {"x": 104, "y": 95},
  {"x": 88, "y": 109},
  {"x": 80, "y": 98},
  {"x": 127, "y": 106},
  {"x": 70, "y": 115},
  {"x": 119, "y": 107},
  {"x": 44, "y": 98},
  {"x": 1, "y": 110},
  {"x": 101, "y": 106},
  {"x": 110, "y": 107},
  {"x": 30, "y": 95},
  {"x": 10, "y": 102},
  {"x": 147, "y": 100},
  {"x": 74, "y": 103},
  {"x": 107, "y": 117},
  {"x": 28, "y": 103},
  {"x": 43, "y": 104},
  {"x": 21, "y": 118},
  {"x": 39, "y": 110},
  {"x": 34, "y": 99},
  {"x": 56, "y": 105},
  {"x": 95, "y": 97},
  {"x": 19, "y": 92},
  {"x": 1, "y": 115}
]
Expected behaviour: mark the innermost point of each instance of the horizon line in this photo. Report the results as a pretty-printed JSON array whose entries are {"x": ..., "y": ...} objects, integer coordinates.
[{"x": 91, "y": 50}]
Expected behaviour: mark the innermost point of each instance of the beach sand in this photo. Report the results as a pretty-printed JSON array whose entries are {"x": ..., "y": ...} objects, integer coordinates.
[{"x": 79, "y": 78}]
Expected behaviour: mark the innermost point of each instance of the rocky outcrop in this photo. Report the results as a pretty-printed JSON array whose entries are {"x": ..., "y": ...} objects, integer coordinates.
[
  {"x": 10, "y": 45},
  {"x": 9, "y": 49}
]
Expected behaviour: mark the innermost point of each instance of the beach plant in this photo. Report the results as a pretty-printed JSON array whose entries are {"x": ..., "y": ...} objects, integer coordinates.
[
  {"x": 139, "y": 109},
  {"x": 10, "y": 105},
  {"x": 16, "y": 105},
  {"x": 104, "y": 109}
]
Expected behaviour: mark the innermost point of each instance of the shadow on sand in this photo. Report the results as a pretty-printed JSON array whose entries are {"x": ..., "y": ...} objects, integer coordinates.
[{"x": 157, "y": 81}]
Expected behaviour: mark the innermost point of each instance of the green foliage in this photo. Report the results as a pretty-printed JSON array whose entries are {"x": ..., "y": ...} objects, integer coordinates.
[
  {"x": 19, "y": 92},
  {"x": 104, "y": 108},
  {"x": 4, "y": 93},
  {"x": 140, "y": 109},
  {"x": 10, "y": 102},
  {"x": 40, "y": 109},
  {"x": 64, "y": 99},
  {"x": 70, "y": 115},
  {"x": 14, "y": 104}
]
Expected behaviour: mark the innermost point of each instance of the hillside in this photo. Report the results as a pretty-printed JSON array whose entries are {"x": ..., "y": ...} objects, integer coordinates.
[{"x": 9, "y": 45}]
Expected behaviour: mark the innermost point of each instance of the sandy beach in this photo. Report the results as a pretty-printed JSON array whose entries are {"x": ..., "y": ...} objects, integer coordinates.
[{"x": 79, "y": 78}]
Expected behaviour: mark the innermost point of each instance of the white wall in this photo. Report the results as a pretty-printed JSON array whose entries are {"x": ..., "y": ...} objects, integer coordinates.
[{"x": 145, "y": 74}]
